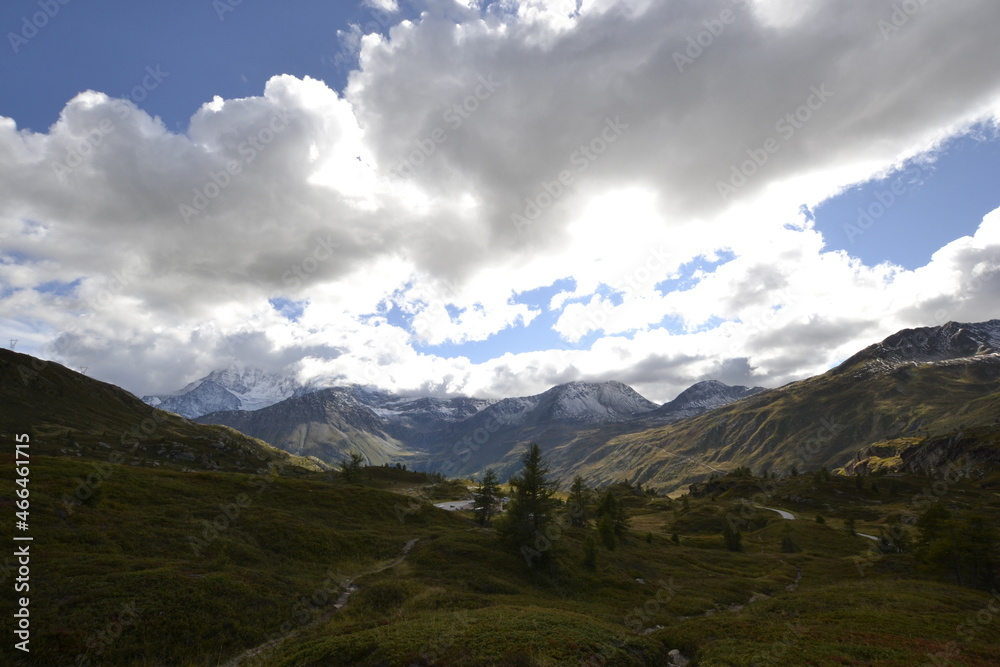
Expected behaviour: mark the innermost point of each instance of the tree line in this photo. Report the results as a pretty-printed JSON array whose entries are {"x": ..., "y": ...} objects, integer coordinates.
[{"x": 534, "y": 518}]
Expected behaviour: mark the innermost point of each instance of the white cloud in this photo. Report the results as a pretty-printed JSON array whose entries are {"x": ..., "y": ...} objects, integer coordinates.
[
  {"x": 400, "y": 193},
  {"x": 384, "y": 5}
]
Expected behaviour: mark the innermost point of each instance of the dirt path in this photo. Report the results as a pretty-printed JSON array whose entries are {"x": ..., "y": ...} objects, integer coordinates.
[
  {"x": 349, "y": 590},
  {"x": 787, "y": 516}
]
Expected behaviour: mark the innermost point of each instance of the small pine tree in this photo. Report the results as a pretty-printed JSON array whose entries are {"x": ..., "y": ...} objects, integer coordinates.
[
  {"x": 530, "y": 524},
  {"x": 820, "y": 518},
  {"x": 613, "y": 507},
  {"x": 485, "y": 497},
  {"x": 896, "y": 540},
  {"x": 649, "y": 538},
  {"x": 606, "y": 529},
  {"x": 733, "y": 537},
  {"x": 849, "y": 526},
  {"x": 577, "y": 503},
  {"x": 675, "y": 538},
  {"x": 352, "y": 468}
]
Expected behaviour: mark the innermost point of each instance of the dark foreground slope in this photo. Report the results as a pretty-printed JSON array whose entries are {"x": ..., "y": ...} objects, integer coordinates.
[
  {"x": 172, "y": 568},
  {"x": 67, "y": 413}
]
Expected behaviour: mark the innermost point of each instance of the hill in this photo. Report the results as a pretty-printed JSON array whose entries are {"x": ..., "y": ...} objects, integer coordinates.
[
  {"x": 923, "y": 384},
  {"x": 162, "y": 562},
  {"x": 67, "y": 413}
]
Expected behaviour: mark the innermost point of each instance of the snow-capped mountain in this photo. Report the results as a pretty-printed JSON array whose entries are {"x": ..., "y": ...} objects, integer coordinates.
[
  {"x": 332, "y": 421},
  {"x": 422, "y": 410},
  {"x": 232, "y": 388},
  {"x": 953, "y": 340},
  {"x": 700, "y": 398},
  {"x": 586, "y": 403}
]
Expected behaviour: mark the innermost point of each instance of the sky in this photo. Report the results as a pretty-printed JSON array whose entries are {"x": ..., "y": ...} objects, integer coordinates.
[{"x": 491, "y": 198}]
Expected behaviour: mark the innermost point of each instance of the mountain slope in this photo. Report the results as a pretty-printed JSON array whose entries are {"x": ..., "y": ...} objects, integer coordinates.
[
  {"x": 326, "y": 424},
  {"x": 69, "y": 414},
  {"x": 700, "y": 398},
  {"x": 232, "y": 388},
  {"x": 888, "y": 391},
  {"x": 953, "y": 340},
  {"x": 496, "y": 436},
  {"x": 459, "y": 436}
]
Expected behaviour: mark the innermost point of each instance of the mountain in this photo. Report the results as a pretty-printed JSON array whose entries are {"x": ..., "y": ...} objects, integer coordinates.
[
  {"x": 233, "y": 388},
  {"x": 928, "y": 344},
  {"x": 66, "y": 413},
  {"x": 916, "y": 388},
  {"x": 179, "y": 559},
  {"x": 423, "y": 431},
  {"x": 700, "y": 398},
  {"x": 329, "y": 423}
]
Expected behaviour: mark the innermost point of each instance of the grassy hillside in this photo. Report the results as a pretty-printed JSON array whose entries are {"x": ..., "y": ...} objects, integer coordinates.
[
  {"x": 152, "y": 560},
  {"x": 135, "y": 577},
  {"x": 208, "y": 563},
  {"x": 67, "y": 413},
  {"x": 822, "y": 421}
]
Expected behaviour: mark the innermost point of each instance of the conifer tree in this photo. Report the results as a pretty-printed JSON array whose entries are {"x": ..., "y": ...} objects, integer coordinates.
[
  {"x": 529, "y": 525},
  {"x": 577, "y": 503},
  {"x": 485, "y": 497}
]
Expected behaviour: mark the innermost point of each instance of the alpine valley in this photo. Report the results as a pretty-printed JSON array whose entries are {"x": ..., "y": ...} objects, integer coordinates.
[
  {"x": 889, "y": 399},
  {"x": 250, "y": 519}
]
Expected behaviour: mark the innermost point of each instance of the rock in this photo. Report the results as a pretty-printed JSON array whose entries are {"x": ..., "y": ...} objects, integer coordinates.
[{"x": 678, "y": 659}]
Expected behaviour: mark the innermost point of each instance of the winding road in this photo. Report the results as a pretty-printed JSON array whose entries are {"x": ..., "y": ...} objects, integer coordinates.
[
  {"x": 791, "y": 517},
  {"x": 784, "y": 515}
]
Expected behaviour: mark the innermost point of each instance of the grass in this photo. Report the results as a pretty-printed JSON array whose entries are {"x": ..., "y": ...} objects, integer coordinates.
[
  {"x": 292, "y": 538},
  {"x": 458, "y": 599},
  {"x": 158, "y": 560}
]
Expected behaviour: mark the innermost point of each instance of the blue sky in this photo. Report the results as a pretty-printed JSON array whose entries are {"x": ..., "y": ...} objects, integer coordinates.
[
  {"x": 127, "y": 247},
  {"x": 207, "y": 51},
  {"x": 907, "y": 216}
]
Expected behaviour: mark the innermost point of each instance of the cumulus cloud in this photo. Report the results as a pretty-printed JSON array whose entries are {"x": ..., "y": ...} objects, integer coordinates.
[{"x": 485, "y": 150}]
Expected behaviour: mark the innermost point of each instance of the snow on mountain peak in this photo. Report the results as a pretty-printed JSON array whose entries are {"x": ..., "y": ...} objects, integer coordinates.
[{"x": 233, "y": 388}]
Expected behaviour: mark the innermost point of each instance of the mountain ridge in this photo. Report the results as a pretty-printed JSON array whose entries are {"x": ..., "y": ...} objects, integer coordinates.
[{"x": 232, "y": 388}]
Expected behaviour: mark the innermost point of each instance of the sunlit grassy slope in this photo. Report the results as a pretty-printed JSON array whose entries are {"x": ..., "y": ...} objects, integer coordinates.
[{"x": 823, "y": 421}]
